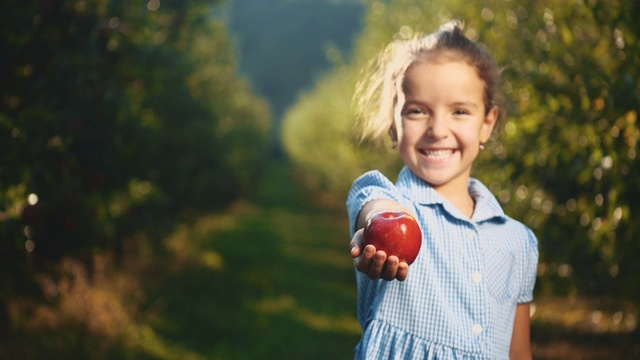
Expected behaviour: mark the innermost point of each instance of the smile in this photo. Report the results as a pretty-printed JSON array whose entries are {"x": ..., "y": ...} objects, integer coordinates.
[{"x": 437, "y": 154}]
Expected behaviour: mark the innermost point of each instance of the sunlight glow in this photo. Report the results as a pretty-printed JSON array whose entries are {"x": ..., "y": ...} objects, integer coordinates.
[
  {"x": 599, "y": 199},
  {"x": 32, "y": 199},
  {"x": 619, "y": 40},
  {"x": 29, "y": 245},
  {"x": 584, "y": 219},
  {"x": 510, "y": 128},
  {"x": 153, "y": 5},
  {"x": 565, "y": 270},
  {"x": 617, "y": 213},
  {"x": 597, "y": 173},
  {"x": 522, "y": 192},
  {"x": 512, "y": 19},
  {"x": 212, "y": 260},
  {"x": 617, "y": 317},
  {"x": 613, "y": 270},
  {"x": 486, "y": 14},
  {"x": 144, "y": 187},
  {"x": 405, "y": 32},
  {"x": 504, "y": 196},
  {"x": 28, "y": 233},
  {"x": 472, "y": 34}
]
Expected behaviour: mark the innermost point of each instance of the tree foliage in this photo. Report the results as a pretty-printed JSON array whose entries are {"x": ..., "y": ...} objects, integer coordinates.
[
  {"x": 115, "y": 116},
  {"x": 564, "y": 161}
]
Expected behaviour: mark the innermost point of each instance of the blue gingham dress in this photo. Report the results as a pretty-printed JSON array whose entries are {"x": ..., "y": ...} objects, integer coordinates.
[{"x": 460, "y": 297}]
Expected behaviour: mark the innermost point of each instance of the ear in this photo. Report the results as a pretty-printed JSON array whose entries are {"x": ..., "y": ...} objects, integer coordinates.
[
  {"x": 393, "y": 134},
  {"x": 489, "y": 123}
]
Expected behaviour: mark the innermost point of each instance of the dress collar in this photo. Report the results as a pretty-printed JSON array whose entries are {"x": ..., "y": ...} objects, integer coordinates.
[{"x": 486, "y": 207}]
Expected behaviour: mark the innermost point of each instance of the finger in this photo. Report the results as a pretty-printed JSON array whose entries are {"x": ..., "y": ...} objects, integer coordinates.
[
  {"x": 355, "y": 246},
  {"x": 355, "y": 251},
  {"x": 403, "y": 271},
  {"x": 390, "y": 268},
  {"x": 363, "y": 263},
  {"x": 375, "y": 271}
]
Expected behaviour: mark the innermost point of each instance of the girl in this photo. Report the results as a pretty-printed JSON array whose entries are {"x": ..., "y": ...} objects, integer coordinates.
[{"x": 469, "y": 290}]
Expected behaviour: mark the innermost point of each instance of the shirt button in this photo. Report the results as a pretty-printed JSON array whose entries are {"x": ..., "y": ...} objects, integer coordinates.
[
  {"x": 477, "y": 277},
  {"x": 477, "y": 329}
]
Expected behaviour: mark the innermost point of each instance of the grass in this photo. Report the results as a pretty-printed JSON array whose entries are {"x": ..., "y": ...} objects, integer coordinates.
[
  {"x": 584, "y": 329},
  {"x": 267, "y": 279},
  {"x": 264, "y": 280},
  {"x": 277, "y": 291}
]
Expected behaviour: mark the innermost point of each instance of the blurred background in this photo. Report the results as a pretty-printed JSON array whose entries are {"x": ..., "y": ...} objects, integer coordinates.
[{"x": 173, "y": 173}]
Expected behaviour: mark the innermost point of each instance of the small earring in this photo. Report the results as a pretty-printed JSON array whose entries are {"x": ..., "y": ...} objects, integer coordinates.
[
  {"x": 394, "y": 144},
  {"x": 481, "y": 147}
]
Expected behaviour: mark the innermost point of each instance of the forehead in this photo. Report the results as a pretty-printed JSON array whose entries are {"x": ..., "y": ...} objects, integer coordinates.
[{"x": 442, "y": 74}]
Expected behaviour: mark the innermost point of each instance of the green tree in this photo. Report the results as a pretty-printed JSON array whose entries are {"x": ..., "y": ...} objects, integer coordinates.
[
  {"x": 564, "y": 161},
  {"x": 116, "y": 116}
]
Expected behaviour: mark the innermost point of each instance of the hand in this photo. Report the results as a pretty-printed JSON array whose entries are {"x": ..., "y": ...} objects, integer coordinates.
[{"x": 374, "y": 263}]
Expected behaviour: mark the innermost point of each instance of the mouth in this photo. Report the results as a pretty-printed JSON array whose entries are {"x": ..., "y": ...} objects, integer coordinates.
[{"x": 437, "y": 154}]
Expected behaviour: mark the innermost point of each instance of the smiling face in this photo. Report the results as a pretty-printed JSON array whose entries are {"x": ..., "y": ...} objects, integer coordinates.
[{"x": 443, "y": 122}]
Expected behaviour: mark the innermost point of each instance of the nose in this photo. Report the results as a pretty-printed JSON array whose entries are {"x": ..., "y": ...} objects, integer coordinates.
[{"x": 437, "y": 126}]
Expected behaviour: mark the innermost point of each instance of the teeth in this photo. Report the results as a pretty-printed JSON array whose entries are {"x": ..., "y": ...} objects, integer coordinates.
[{"x": 438, "y": 154}]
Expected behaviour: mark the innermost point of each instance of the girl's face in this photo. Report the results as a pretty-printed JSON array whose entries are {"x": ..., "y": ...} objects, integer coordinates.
[{"x": 444, "y": 121}]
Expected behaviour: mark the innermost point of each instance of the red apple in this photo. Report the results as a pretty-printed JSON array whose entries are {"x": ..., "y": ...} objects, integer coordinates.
[{"x": 396, "y": 233}]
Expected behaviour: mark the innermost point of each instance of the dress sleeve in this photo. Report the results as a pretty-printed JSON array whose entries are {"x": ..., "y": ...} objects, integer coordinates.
[
  {"x": 371, "y": 185},
  {"x": 530, "y": 268}
]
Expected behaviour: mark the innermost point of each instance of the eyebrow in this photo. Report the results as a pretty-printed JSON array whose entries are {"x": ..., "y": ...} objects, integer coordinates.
[
  {"x": 466, "y": 103},
  {"x": 417, "y": 102}
]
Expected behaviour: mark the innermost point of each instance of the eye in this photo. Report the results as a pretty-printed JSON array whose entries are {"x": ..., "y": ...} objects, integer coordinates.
[
  {"x": 414, "y": 111},
  {"x": 461, "y": 112}
]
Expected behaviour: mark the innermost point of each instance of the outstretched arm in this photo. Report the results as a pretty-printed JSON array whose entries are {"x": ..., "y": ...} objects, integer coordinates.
[
  {"x": 521, "y": 338},
  {"x": 374, "y": 263}
]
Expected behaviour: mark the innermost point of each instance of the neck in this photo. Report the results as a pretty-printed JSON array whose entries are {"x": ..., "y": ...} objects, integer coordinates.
[{"x": 459, "y": 196}]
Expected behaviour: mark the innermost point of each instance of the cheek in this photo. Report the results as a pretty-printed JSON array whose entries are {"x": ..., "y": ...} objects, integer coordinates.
[
  {"x": 470, "y": 133},
  {"x": 411, "y": 131}
]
